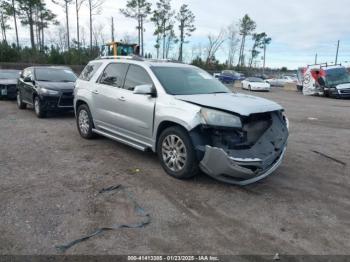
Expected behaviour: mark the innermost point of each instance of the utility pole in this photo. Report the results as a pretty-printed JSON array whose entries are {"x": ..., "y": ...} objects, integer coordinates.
[
  {"x": 316, "y": 59},
  {"x": 336, "y": 56},
  {"x": 112, "y": 28},
  {"x": 142, "y": 36},
  {"x": 264, "y": 57}
]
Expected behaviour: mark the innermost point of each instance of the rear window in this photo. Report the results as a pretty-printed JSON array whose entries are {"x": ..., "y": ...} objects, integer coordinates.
[{"x": 89, "y": 71}]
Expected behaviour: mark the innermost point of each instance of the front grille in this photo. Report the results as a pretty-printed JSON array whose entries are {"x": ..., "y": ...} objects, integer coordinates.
[
  {"x": 345, "y": 91},
  {"x": 10, "y": 89},
  {"x": 66, "y": 99}
]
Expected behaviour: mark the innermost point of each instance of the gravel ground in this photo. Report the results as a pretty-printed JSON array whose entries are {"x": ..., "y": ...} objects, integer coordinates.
[{"x": 50, "y": 179}]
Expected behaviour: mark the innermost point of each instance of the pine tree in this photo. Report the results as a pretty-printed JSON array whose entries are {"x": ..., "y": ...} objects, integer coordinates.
[{"x": 186, "y": 18}]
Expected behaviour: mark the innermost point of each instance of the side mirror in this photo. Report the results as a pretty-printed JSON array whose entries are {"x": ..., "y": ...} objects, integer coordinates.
[
  {"x": 144, "y": 90},
  {"x": 27, "y": 79}
]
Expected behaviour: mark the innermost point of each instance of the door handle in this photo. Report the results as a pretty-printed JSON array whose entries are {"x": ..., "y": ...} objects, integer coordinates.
[
  {"x": 122, "y": 98},
  {"x": 95, "y": 92}
]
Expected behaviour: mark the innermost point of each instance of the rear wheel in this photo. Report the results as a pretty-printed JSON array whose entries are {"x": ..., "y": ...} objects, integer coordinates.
[
  {"x": 85, "y": 122},
  {"x": 20, "y": 103},
  {"x": 38, "y": 108},
  {"x": 177, "y": 154}
]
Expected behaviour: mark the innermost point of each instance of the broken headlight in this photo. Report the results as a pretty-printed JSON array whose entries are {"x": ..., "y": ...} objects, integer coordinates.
[{"x": 217, "y": 118}]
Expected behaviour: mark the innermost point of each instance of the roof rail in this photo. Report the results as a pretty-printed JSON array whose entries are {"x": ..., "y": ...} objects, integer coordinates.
[
  {"x": 114, "y": 57},
  {"x": 140, "y": 58},
  {"x": 164, "y": 60}
]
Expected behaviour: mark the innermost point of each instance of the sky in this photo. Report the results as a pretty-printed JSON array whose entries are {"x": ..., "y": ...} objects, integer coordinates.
[{"x": 299, "y": 29}]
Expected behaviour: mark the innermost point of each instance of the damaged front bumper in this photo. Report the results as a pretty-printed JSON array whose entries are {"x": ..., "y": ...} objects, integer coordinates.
[
  {"x": 268, "y": 135},
  {"x": 218, "y": 164}
]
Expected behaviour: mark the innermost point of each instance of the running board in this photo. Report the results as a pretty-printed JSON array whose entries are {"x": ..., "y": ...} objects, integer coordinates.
[{"x": 121, "y": 140}]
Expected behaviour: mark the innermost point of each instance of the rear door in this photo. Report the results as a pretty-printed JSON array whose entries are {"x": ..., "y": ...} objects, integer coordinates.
[{"x": 106, "y": 94}]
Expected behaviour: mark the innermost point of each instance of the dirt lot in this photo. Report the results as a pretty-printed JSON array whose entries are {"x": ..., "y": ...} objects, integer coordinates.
[{"x": 50, "y": 179}]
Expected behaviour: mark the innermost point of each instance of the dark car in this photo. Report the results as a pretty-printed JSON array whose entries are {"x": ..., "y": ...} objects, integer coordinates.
[
  {"x": 47, "y": 89},
  {"x": 230, "y": 76},
  {"x": 8, "y": 81}
]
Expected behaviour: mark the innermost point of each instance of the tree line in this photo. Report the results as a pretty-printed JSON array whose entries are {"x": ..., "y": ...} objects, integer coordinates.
[
  {"x": 171, "y": 28},
  {"x": 35, "y": 15}
]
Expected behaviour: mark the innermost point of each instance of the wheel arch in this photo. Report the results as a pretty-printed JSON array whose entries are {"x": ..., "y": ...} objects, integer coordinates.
[
  {"x": 164, "y": 125},
  {"x": 34, "y": 95},
  {"x": 80, "y": 102}
]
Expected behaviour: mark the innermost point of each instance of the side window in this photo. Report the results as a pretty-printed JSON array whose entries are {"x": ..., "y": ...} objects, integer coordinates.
[
  {"x": 114, "y": 74},
  {"x": 136, "y": 76},
  {"x": 89, "y": 71}
]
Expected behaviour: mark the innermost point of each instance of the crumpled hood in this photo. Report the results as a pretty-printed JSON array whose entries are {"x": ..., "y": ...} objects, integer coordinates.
[
  {"x": 8, "y": 81},
  {"x": 241, "y": 104},
  {"x": 343, "y": 86},
  {"x": 56, "y": 85}
]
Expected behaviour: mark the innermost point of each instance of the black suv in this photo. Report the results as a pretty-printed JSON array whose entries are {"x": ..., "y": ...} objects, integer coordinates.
[{"x": 46, "y": 88}]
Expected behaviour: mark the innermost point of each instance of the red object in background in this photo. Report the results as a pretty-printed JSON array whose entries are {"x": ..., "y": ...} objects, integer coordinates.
[
  {"x": 322, "y": 73},
  {"x": 303, "y": 70}
]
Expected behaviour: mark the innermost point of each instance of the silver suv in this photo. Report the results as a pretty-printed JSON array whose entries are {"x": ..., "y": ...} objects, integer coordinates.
[{"x": 191, "y": 120}]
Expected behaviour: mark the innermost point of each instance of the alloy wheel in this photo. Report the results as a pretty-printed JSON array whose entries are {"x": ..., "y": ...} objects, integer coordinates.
[
  {"x": 37, "y": 106},
  {"x": 84, "y": 122},
  {"x": 174, "y": 153},
  {"x": 19, "y": 102}
]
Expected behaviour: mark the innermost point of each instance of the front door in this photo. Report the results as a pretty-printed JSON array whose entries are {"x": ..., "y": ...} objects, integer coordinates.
[
  {"x": 137, "y": 110},
  {"x": 26, "y": 88}
]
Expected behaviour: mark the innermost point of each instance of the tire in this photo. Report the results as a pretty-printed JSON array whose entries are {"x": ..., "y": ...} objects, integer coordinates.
[
  {"x": 177, "y": 154},
  {"x": 38, "y": 108},
  {"x": 250, "y": 88},
  {"x": 20, "y": 104},
  {"x": 85, "y": 122}
]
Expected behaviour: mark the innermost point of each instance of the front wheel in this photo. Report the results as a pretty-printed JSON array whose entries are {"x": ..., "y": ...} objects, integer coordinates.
[
  {"x": 177, "y": 154},
  {"x": 20, "y": 103},
  {"x": 38, "y": 108}
]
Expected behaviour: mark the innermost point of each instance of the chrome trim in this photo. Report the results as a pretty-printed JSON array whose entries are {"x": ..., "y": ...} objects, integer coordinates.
[{"x": 119, "y": 139}]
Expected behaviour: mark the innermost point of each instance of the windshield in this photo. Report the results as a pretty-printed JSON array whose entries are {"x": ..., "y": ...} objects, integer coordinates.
[
  {"x": 188, "y": 81},
  {"x": 9, "y": 74},
  {"x": 54, "y": 75},
  {"x": 337, "y": 76},
  {"x": 255, "y": 80}
]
